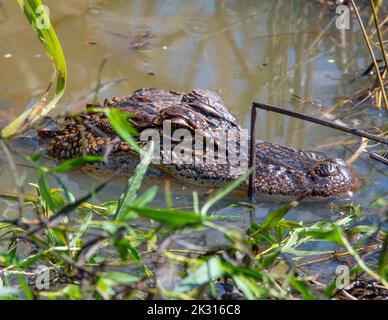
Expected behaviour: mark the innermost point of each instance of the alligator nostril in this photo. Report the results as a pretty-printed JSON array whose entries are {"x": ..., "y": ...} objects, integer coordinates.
[{"x": 326, "y": 168}]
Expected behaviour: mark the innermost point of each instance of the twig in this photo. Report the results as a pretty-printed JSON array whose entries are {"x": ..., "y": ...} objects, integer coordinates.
[
  {"x": 348, "y": 295},
  {"x": 325, "y": 123},
  {"x": 379, "y": 158},
  {"x": 357, "y": 153},
  {"x": 252, "y": 155}
]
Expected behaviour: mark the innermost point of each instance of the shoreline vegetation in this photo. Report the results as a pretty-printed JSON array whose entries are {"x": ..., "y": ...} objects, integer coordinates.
[{"x": 66, "y": 238}]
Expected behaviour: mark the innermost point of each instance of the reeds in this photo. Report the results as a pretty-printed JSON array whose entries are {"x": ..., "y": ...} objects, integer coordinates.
[{"x": 379, "y": 94}]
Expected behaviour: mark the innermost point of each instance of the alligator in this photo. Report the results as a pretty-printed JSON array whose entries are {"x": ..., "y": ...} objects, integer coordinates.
[{"x": 280, "y": 171}]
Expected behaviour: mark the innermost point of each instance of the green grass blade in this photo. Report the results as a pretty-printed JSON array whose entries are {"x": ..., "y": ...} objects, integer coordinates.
[
  {"x": 120, "y": 124},
  {"x": 140, "y": 202},
  {"x": 72, "y": 163},
  {"x": 174, "y": 218},
  {"x": 82, "y": 229},
  {"x": 130, "y": 192},
  {"x": 33, "y": 11},
  {"x": 275, "y": 216},
  {"x": 222, "y": 192},
  {"x": 205, "y": 273},
  {"x": 45, "y": 193}
]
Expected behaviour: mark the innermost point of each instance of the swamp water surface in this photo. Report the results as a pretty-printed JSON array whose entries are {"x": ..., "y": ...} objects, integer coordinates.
[{"x": 269, "y": 51}]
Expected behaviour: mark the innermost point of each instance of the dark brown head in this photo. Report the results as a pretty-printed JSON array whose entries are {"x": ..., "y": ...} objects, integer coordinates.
[{"x": 331, "y": 177}]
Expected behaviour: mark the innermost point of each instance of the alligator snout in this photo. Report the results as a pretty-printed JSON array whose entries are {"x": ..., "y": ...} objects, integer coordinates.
[
  {"x": 331, "y": 177},
  {"x": 327, "y": 168}
]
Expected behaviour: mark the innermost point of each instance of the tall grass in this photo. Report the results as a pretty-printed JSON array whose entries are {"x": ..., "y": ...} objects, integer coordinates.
[
  {"x": 380, "y": 94},
  {"x": 40, "y": 23}
]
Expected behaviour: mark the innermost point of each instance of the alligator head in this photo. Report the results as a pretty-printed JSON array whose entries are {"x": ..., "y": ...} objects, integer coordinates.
[{"x": 280, "y": 170}]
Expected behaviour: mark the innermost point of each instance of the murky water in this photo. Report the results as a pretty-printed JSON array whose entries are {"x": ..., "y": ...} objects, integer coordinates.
[{"x": 268, "y": 51}]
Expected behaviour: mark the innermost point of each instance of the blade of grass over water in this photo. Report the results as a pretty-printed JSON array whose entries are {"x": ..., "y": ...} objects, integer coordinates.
[
  {"x": 357, "y": 257},
  {"x": 174, "y": 218},
  {"x": 45, "y": 193},
  {"x": 130, "y": 193},
  {"x": 209, "y": 270},
  {"x": 223, "y": 192},
  {"x": 40, "y": 23},
  {"x": 120, "y": 124},
  {"x": 275, "y": 216},
  {"x": 383, "y": 260},
  {"x": 73, "y": 163}
]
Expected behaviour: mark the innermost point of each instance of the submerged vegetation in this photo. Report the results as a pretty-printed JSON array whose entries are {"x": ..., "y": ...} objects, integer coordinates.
[{"x": 58, "y": 246}]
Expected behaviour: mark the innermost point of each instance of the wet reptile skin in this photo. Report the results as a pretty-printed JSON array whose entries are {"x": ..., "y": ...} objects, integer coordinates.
[{"x": 279, "y": 170}]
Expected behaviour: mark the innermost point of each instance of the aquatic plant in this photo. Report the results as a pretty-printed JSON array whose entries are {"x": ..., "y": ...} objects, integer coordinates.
[{"x": 40, "y": 22}]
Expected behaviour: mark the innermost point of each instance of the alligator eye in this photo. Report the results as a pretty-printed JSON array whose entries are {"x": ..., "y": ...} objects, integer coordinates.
[
  {"x": 325, "y": 169},
  {"x": 46, "y": 133}
]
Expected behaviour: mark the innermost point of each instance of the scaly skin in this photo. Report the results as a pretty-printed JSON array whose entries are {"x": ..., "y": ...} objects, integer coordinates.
[{"x": 280, "y": 170}]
